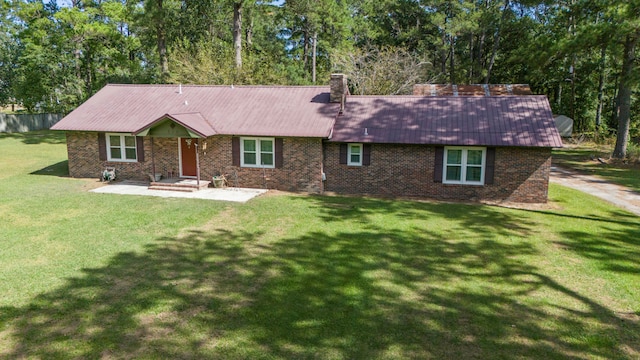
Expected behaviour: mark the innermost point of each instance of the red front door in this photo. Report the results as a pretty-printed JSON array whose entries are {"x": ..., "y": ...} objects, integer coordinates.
[{"x": 188, "y": 156}]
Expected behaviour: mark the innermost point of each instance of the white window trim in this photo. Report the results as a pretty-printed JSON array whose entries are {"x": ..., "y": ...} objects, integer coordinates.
[
  {"x": 258, "y": 152},
  {"x": 122, "y": 147},
  {"x": 353, "y": 163},
  {"x": 463, "y": 165}
]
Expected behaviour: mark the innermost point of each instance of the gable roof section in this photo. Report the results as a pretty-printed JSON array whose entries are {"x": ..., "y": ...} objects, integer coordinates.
[
  {"x": 193, "y": 122},
  {"x": 524, "y": 121},
  {"x": 302, "y": 111}
]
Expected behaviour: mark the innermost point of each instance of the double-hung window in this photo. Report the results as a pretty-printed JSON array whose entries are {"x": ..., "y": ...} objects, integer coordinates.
[
  {"x": 464, "y": 165},
  {"x": 121, "y": 147},
  {"x": 257, "y": 152},
  {"x": 354, "y": 155}
]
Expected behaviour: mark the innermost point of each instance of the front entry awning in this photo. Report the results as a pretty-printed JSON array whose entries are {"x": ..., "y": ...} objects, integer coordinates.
[{"x": 187, "y": 125}]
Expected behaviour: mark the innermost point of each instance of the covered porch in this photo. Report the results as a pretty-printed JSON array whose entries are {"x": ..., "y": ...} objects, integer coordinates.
[{"x": 187, "y": 133}]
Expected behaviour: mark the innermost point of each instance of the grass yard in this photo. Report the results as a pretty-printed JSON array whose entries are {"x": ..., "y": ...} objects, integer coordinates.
[
  {"x": 584, "y": 158},
  {"x": 86, "y": 275}
]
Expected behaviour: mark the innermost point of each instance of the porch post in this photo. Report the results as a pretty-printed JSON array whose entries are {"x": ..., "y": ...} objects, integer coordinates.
[
  {"x": 197, "y": 164},
  {"x": 153, "y": 159}
]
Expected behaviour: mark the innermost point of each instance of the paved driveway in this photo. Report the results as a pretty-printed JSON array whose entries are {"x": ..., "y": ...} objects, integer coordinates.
[{"x": 618, "y": 195}]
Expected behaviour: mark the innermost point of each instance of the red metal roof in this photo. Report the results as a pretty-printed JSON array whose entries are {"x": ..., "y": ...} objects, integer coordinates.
[
  {"x": 208, "y": 110},
  {"x": 305, "y": 111},
  {"x": 463, "y": 120}
]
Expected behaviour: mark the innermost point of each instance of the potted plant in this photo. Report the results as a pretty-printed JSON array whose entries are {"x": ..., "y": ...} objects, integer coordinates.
[{"x": 219, "y": 181}]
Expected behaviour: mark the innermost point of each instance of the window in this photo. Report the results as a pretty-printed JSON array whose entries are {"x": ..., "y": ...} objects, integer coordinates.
[
  {"x": 354, "y": 155},
  {"x": 464, "y": 165},
  {"x": 257, "y": 152},
  {"x": 121, "y": 148}
]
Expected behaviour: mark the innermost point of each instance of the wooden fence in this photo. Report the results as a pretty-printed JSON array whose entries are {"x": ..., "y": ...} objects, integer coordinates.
[{"x": 27, "y": 122}]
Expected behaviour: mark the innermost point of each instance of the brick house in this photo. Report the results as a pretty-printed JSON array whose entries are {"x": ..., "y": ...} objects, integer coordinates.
[{"x": 318, "y": 139}]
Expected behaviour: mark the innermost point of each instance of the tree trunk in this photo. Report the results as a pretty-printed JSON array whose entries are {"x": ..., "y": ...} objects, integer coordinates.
[
  {"x": 443, "y": 53},
  {"x": 559, "y": 99},
  {"x": 313, "y": 61},
  {"x": 572, "y": 71},
  {"x": 305, "y": 47},
  {"x": 249, "y": 31},
  {"x": 603, "y": 57},
  {"x": 88, "y": 81},
  {"x": 162, "y": 51},
  {"x": 237, "y": 33},
  {"x": 452, "y": 61},
  {"x": 496, "y": 41},
  {"x": 77, "y": 53},
  {"x": 132, "y": 54},
  {"x": 573, "y": 93},
  {"x": 471, "y": 58},
  {"x": 162, "y": 42},
  {"x": 624, "y": 95},
  {"x": 483, "y": 36}
]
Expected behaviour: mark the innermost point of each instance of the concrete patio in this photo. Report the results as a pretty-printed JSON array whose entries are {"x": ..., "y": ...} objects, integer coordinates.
[{"x": 241, "y": 195}]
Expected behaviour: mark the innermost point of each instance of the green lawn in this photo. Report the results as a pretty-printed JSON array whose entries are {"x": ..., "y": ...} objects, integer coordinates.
[
  {"x": 584, "y": 158},
  {"x": 86, "y": 275}
]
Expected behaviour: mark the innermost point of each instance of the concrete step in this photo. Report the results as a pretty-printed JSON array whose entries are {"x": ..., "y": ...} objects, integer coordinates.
[
  {"x": 173, "y": 188},
  {"x": 183, "y": 184}
]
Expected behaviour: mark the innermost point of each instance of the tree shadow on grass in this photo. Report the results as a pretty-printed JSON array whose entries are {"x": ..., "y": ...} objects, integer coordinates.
[
  {"x": 372, "y": 293},
  {"x": 484, "y": 220},
  {"x": 59, "y": 169},
  {"x": 618, "y": 250},
  {"x": 37, "y": 137},
  {"x": 615, "y": 244},
  {"x": 613, "y": 217}
]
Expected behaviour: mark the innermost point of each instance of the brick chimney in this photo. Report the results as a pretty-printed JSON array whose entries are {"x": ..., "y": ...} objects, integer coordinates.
[{"x": 338, "y": 86}]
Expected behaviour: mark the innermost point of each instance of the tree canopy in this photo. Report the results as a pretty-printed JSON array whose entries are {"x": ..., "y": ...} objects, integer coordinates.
[{"x": 580, "y": 53}]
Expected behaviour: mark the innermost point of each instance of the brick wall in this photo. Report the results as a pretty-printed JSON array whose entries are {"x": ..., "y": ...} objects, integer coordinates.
[
  {"x": 301, "y": 170},
  {"x": 84, "y": 160},
  {"x": 521, "y": 174},
  {"x": 165, "y": 156}
]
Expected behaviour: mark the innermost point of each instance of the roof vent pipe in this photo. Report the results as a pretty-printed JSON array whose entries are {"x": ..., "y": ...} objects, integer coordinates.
[{"x": 180, "y": 89}]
